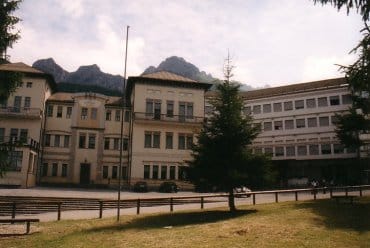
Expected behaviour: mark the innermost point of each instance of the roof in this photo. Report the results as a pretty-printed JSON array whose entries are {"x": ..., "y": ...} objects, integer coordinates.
[
  {"x": 165, "y": 75},
  {"x": 29, "y": 71},
  {"x": 68, "y": 97},
  {"x": 290, "y": 89}
]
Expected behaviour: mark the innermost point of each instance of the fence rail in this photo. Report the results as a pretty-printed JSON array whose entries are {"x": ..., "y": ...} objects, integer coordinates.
[{"x": 25, "y": 205}]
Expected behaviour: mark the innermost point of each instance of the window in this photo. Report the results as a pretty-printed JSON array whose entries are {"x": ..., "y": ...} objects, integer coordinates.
[
  {"x": 114, "y": 172},
  {"x": 106, "y": 143},
  {"x": 17, "y": 103},
  {"x": 83, "y": 113},
  {"x": 49, "y": 110},
  {"x": 312, "y": 122},
  {"x": 152, "y": 140},
  {"x": 258, "y": 150},
  {"x": 118, "y": 115},
  {"x": 289, "y": 124},
  {"x": 185, "y": 141},
  {"x": 288, "y": 106},
  {"x": 66, "y": 141},
  {"x": 302, "y": 150},
  {"x": 172, "y": 172},
  {"x": 146, "y": 171},
  {"x": 279, "y": 151},
  {"x": 290, "y": 151},
  {"x": 47, "y": 140},
  {"x": 105, "y": 172},
  {"x": 169, "y": 140},
  {"x": 186, "y": 110},
  {"x": 82, "y": 140},
  {"x": 54, "y": 170},
  {"x": 334, "y": 100},
  {"x": 45, "y": 169},
  {"x": 257, "y": 109},
  {"x": 23, "y": 135},
  {"x": 124, "y": 172},
  {"x": 127, "y": 116},
  {"x": 267, "y": 126},
  {"x": 155, "y": 172},
  {"x": 163, "y": 172},
  {"x": 149, "y": 107},
  {"x": 300, "y": 123},
  {"x": 108, "y": 115},
  {"x": 189, "y": 141},
  {"x": 266, "y": 108},
  {"x": 169, "y": 109},
  {"x": 27, "y": 102},
  {"x": 125, "y": 144},
  {"x": 325, "y": 149},
  {"x": 268, "y": 150},
  {"x": 116, "y": 143},
  {"x": 311, "y": 103},
  {"x": 16, "y": 160},
  {"x": 2, "y": 135},
  {"x": 334, "y": 120},
  {"x": 13, "y": 134},
  {"x": 92, "y": 141},
  {"x": 181, "y": 145},
  {"x": 29, "y": 84},
  {"x": 347, "y": 99},
  {"x": 278, "y": 125},
  {"x": 182, "y": 173},
  {"x": 338, "y": 149},
  {"x": 299, "y": 104},
  {"x": 64, "y": 170},
  {"x": 324, "y": 121},
  {"x": 322, "y": 101},
  {"x": 153, "y": 108},
  {"x": 277, "y": 107},
  {"x": 156, "y": 140},
  {"x": 57, "y": 140},
  {"x": 69, "y": 112},
  {"x": 94, "y": 113},
  {"x": 314, "y": 149},
  {"x": 59, "y": 111}
]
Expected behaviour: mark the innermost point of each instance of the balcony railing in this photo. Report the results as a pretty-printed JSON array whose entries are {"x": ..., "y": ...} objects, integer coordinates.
[
  {"x": 21, "y": 112},
  {"x": 10, "y": 142},
  {"x": 168, "y": 118}
]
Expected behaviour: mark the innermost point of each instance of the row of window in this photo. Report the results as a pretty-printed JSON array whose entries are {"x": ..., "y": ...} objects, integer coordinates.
[
  {"x": 303, "y": 150},
  {"x": 111, "y": 172},
  {"x": 153, "y": 107},
  {"x": 17, "y": 104},
  {"x": 322, "y": 121},
  {"x": 54, "y": 171},
  {"x": 15, "y": 135},
  {"x": 56, "y": 140},
  {"x": 298, "y": 104},
  {"x": 153, "y": 140},
  {"x": 59, "y": 111},
  {"x": 164, "y": 172},
  {"x": 113, "y": 144},
  {"x": 117, "y": 115}
]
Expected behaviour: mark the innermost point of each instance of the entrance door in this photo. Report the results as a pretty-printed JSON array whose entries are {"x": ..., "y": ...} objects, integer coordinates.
[{"x": 85, "y": 174}]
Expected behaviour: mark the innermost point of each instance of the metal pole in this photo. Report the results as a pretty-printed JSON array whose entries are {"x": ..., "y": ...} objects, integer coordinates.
[{"x": 121, "y": 137}]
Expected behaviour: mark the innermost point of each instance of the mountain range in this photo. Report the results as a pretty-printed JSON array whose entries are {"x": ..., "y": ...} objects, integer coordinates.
[{"x": 91, "y": 78}]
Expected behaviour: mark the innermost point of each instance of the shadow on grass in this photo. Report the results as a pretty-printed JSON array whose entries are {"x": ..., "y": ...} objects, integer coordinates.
[
  {"x": 341, "y": 215},
  {"x": 174, "y": 220}
]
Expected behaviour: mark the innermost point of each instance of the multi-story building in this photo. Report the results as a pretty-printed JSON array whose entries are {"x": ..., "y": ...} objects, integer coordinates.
[{"x": 161, "y": 116}]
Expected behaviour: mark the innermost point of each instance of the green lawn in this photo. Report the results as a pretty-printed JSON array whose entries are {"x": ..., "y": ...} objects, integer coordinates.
[{"x": 304, "y": 224}]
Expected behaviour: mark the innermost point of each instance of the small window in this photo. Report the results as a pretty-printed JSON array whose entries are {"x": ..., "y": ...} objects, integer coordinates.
[
  {"x": 59, "y": 111},
  {"x": 325, "y": 149},
  {"x": 290, "y": 151},
  {"x": 300, "y": 123},
  {"x": 324, "y": 121},
  {"x": 54, "y": 170},
  {"x": 146, "y": 171},
  {"x": 94, "y": 113},
  {"x": 114, "y": 172},
  {"x": 169, "y": 140},
  {"x": 66, "y": 141},
  {"x": 27, "y": 102},
  {"x": 258, "y": 150},
  {"x": 170, "y": 107},
  {"x": 69, "y": 112},
  {"x": 92, "y": 141},
  {"x": 279, "y": 151},
  {"x": 105, "y": 172},
  {"x": 278, "y": 125},
  {"x": 268, "y": 150},
  {"x": 82, "y": 140},
  {"x": 29, "y": 84},
  {"x": 64, "y": 170},
  {"x": 116, "y": 143},
  {"x": 118, "y": 115},
  {"x": 334, "y": 100},
  {"x": 47, "y": 140},
  {"x": 148, "y": 140},
  {"x": 334, "y": 120},
  {"x": 106, "y": 143},
  {"x": 347, "y": 99},
  {"x": 83, "y": 113},
  {"x": 288, "y": 106},
  {"x": 45, "y": 169},
  {"x": 124, "y": 144},
  {"x": 49, "y": 110},
  {"x": 314, "y": 149},
  {"x": 267, "y": 126},
  {"x": 311, "y": 103},
  {"x": 299, "y": 104},
  {"x": 155, "y": 172},
  {"x": 277, "y": 107},
  {"x": 246, "y": 110},
  {"x": 57, "y": 140},
  {"x": 289, "y": 124},
  {"x": 257, "y": 109},
  {"x": 322, "y": 101},
  {"x": 302, "y": 150},
  {"x": 181, "y": 145},
  {"x": 266, "y": 108},
  {"x": 127, "y": 116},
  {"x": 23, "y": 135},
  {"x": 163, "y": 172},
  {"x": 108, "y": 115},
  {"x": 312, "y": 122},
  {"x": 156, "y": 140},
  {"x": 172, "y": 172},
  {"x": 338, "y": 148}
]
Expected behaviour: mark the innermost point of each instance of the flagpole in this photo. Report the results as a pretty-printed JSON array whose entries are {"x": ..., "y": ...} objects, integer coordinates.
[{"x": 121, "y": 134}]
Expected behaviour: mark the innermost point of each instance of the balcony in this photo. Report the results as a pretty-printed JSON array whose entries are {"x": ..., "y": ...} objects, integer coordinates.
[
  {"x": 15, "y": 112},
  {"x": 168, "y": 118},
  {"x": 10, "y": 142}
]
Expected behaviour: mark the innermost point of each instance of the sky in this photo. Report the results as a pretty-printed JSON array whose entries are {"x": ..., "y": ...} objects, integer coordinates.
[{"x": 271, "y": 42}]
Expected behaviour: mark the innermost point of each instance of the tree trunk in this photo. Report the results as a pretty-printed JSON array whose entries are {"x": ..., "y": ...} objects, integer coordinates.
[{"x": 232, "y": 201}]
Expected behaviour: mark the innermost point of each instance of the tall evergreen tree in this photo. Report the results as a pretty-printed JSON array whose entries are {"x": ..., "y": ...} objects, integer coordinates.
[{"x": 220, "y": 157}]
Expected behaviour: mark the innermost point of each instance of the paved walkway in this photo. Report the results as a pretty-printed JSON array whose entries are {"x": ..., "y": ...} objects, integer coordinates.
[{"x": 110, "y": 194}]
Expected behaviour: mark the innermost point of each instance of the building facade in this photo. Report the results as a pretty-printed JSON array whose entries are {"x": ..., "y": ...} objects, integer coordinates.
[{"x": 160, "y": 117}]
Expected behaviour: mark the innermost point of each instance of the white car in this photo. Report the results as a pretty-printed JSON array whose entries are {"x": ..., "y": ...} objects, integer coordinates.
[{"x": 242, "y": 191}]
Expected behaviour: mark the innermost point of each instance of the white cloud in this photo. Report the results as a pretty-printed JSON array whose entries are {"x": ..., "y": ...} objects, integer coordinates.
[{"x": 73, "y": 8}]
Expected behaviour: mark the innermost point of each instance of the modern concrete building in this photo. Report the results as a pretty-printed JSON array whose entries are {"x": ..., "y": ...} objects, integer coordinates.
[{"x": 162, "y": 115}]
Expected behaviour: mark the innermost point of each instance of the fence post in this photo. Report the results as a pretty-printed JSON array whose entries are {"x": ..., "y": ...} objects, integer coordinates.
[
  {"x": 360, "y": 188},
  {"x": 202, "y": 202},
  {"x": 13, "y": 210},
  {"x": 346, "y": 191},
  {"x": 276, "y": 197},
  {"x": 314, "y": 194},
  {"x": 59, "y": 209},
  {"x": 296, "y": 195},
  {"x": 171, "y": 204},
  {"x": 254, "y": 198},
  {"x": 138, "y": 206},
  {"x": 100, "y": 209},
  {"x": 331, "y": 192}
]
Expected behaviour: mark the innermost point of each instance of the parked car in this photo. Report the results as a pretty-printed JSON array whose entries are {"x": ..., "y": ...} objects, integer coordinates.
[
  {"x": 141, "y": 186},
  {"x": 168, "y": 187},
  {"x": 242, "y": 191}
]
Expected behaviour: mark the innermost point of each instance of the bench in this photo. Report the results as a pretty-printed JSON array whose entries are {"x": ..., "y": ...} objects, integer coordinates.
[
  {"x": 27, "y": 221},
  {"x": 344, "y": 198}
]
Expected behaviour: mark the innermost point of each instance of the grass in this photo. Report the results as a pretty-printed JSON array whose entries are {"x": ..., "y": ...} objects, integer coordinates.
[{"x": 321, "y": 223}]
